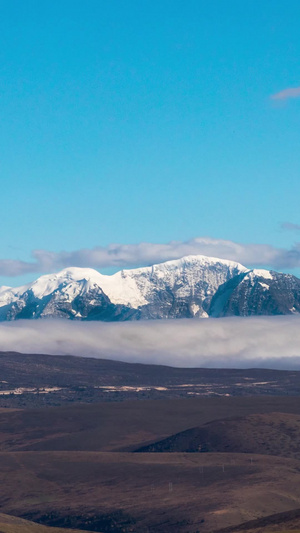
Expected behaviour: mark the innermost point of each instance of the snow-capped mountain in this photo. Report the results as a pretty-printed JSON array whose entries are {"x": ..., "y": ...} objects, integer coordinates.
[
  {"x": 257, "y": 292},
  {"x": 194, "y": 286}
]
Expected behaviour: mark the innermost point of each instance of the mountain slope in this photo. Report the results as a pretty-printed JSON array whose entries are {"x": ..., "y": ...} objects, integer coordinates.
[
  {"x": 194, "y": 286},
  {"x": 257, "y": 292},
  {"x": 181, "y": 288}
]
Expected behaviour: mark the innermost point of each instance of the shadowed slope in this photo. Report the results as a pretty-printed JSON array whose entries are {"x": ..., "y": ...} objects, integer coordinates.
[
  {"x": 271, "y": 434},
  {"x": 124, "y": 425}
]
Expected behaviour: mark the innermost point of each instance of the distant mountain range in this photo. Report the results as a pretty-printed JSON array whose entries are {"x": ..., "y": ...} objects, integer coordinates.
[{"x": 194, "y": 286}]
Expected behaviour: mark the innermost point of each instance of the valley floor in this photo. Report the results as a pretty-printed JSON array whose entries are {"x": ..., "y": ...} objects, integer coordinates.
[
  {"x": 32, "y": 380},
  {"x": 199, "y": 463}
]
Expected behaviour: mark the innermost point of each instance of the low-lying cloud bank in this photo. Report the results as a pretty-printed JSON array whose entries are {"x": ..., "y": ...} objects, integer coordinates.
[
  {"x": 145, "y": 253},
  {"x": 269, "y": 342}
]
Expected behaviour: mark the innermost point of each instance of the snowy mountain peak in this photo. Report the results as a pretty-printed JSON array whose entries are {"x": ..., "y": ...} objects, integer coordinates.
[
  {"x": 193, "y": 286},
  {"x": 47, "y": 284},
  {"x": 76, "y": 273},
  {"x": 189, "y": 260},
  {"x": 260, "y": 273}
]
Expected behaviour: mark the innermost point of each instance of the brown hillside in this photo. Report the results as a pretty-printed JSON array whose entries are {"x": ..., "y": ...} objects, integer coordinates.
[{"x": 269, "y": 433}]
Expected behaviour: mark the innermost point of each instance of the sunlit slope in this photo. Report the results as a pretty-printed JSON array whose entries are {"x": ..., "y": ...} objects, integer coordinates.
[
  {"x": 127, "y": 492},
  {"x": 11, "y": 524}
]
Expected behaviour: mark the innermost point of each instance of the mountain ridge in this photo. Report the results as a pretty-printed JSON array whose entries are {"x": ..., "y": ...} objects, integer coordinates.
[{"x": 192, "y": 286}]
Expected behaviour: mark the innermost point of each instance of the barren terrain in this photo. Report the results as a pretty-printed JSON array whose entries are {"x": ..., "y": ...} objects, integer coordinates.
[
  {"x": 32, "y": 380},
  {"x": 194, "y": 463}
]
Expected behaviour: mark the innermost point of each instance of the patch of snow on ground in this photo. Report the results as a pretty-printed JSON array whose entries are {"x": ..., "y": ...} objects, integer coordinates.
[{"x": 264, "y": 286}]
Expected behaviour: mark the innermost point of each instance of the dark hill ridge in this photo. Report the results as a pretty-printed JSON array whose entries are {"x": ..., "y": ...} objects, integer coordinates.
[
  {"x": 194, "y": 286},
  {"x": 120, "y": 426},
  {"x": 263, "y": 433},
  {"x": 33, "y": 380}
]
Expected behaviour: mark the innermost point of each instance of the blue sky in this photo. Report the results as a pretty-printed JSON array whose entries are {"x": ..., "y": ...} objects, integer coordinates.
[{"x": 148, "y": 121}]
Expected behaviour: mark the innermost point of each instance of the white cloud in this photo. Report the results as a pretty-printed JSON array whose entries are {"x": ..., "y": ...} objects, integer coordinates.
[
  {"x": 290, "y": 226},
  {"x": 270, "y": 342},
  {"x": 128, "y": 255},
  {"x": 286, "y": 94}
]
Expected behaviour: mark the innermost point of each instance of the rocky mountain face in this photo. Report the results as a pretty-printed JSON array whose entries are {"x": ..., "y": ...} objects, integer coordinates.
[
  {"x": 257, "y": 292},
  {"x": 194, "y": 286}
]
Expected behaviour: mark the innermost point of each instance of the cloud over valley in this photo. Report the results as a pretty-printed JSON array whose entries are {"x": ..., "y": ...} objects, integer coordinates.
[{"x": 270, "y": 342}]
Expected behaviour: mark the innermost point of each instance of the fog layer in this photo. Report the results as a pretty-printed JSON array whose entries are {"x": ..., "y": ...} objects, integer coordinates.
[{"x": 272, "y": 342}]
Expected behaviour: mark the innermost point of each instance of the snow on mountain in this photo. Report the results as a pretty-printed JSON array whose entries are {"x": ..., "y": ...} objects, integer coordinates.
[
  {"x": 192, "y": 286},
  {"x": 261, "y": 273},
  {"x": 258, "y": 292},
  {"x": 153, "y": 292}
]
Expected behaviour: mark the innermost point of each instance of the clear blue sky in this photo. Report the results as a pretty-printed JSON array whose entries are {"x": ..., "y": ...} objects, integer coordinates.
[{"x": 128, "y": 121}]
